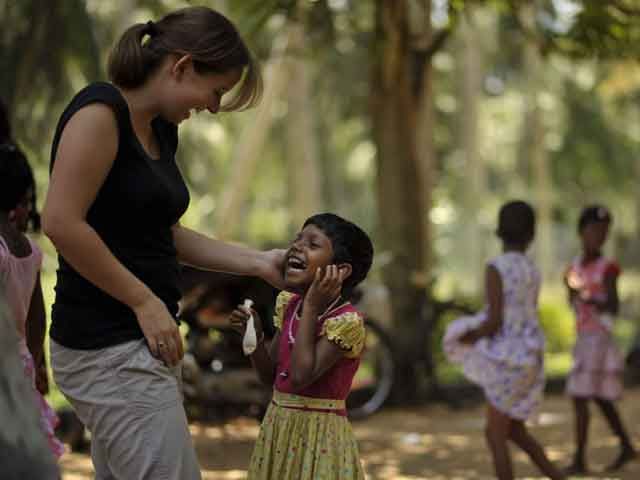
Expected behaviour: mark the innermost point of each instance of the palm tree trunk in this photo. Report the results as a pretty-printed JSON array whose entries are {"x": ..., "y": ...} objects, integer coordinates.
[
  {"x": 400, "y": 179},
  {"x": 538, "y": 157},
  {"x": 247, "y": 155},
  {"x": 302, "y": 149},
  {"x": 475, "y": 175}
]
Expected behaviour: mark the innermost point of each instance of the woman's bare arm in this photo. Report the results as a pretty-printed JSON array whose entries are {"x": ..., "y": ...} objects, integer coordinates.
[{"x": 210, "y": 254}]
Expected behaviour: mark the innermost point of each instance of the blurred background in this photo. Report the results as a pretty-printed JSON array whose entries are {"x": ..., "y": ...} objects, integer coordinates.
[{"x": 414, "y": 118}]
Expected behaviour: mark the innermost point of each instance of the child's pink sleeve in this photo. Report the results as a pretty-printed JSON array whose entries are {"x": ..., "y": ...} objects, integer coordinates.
[{"x": 613, "y": 269}]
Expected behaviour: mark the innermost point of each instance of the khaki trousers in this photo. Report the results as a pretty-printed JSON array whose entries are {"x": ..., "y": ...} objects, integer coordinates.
[{"x": 132, "y": 404}]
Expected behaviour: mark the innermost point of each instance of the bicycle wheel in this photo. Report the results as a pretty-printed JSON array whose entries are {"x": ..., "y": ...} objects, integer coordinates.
[{"x": 374, "y": 379}]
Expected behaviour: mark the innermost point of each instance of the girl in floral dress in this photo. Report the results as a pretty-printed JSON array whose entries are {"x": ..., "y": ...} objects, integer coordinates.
[
  {"x": 312, "y": 359},
  {"x": 501, "y": 348},
  {"x": 591, "y": 282},
  {"x": 20, "y": 262}
]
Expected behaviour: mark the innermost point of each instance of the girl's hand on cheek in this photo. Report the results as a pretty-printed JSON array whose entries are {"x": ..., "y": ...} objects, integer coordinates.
[{"x": 325, "y": 288}]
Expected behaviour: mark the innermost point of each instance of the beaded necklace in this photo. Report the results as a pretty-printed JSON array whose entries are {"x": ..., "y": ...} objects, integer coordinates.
[{"x": 296, "y": 316}]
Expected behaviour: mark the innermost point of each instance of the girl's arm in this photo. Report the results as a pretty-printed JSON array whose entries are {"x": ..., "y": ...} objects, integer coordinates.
[
  {"x": 86, "y": 152},
  {"x": 492, "y": 324},
  {"x": 210, "y": 254},
  {"x": 265, "y": 359},
  {"x": 35, "y": 332},
  {"x": 310, "y": 357},
  {"x": 611, "y": 303}
]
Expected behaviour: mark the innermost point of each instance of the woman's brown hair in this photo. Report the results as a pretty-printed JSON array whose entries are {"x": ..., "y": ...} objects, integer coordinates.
[{"x": 208, "y": 36}]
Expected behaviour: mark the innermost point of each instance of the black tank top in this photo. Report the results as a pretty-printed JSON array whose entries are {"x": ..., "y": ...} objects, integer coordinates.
[{"x": 134, "y": 210}]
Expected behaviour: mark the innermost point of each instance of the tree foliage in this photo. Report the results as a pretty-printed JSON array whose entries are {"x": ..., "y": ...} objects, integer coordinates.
[{"x": 45, "y": 47}]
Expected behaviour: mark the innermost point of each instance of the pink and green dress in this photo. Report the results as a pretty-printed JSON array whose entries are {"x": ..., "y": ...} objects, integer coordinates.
[
  {"x": 306, "y": 435},
  {"x": 597, "y": 361},
  {"x": 18, "y": 277}
]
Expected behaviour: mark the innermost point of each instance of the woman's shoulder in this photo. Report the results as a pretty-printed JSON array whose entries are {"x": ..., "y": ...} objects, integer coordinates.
[
  {"x": 102, "y": 92},
  {"x": 99, "y": 110},
  {"x": 97, "y": 93}
]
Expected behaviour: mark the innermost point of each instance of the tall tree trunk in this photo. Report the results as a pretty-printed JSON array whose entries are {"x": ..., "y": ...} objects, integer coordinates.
[
  {"x": 423, "y": 32},
  {"x": 475, "y": 175},
  {"x": 636, "y": 169},
  {"x": 253, "y": 136},
  {"x": 400, "y": 184},
  {"x": 538, "y": 157},
  {"x": 302, "y": 149}
]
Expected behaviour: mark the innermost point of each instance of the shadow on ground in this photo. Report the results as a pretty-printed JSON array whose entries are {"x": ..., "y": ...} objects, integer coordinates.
[{"x": 430, "y": 443}]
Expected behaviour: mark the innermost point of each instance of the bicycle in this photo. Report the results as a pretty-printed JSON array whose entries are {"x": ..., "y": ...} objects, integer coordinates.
[
  {"x": 374, "y": 380},
  {"x": 382, "y": 362}
]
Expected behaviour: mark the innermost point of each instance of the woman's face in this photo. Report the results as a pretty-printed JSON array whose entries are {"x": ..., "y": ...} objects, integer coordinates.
[{"x": 191, "y": 92}]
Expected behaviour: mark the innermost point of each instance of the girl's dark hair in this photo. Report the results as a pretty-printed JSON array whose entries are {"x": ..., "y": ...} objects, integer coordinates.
[
  {"x": 516, "y": 222},
  {"x": 16, "y": 177},
  {"x": 594, "y": 214},
  {"x": 350, "y": 245},
  {"x": 208, "y": 36}
]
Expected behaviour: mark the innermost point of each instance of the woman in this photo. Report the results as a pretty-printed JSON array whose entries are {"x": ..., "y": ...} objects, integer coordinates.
[{"x": 112, "y": 211}]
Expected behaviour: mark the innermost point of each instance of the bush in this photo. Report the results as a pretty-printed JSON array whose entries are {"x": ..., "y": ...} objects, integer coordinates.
[{"x": 558, "y": 324}]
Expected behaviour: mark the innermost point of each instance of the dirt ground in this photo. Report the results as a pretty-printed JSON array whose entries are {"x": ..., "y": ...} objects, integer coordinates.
[{"x": 431, "y": 443}]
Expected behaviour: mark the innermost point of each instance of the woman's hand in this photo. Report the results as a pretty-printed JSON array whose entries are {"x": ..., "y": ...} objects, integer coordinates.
[
  {"x": 160, "y": 330},
  {"x": 240, "y": 317},
  {"x": 325, "y": 288},
  {"x": 271, "y": 267}
]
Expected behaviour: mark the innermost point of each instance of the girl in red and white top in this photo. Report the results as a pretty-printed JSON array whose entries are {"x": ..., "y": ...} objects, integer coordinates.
[{"x": 591, "y": 281}]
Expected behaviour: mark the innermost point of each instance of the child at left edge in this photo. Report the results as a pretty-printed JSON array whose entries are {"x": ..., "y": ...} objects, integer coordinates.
[
  {"x": 313, "y": 357},
  {"x": 20, "y": 263}
]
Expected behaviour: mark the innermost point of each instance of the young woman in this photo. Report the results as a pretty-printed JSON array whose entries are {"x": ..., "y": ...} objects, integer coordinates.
[{"x": 113, "y": 212}]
